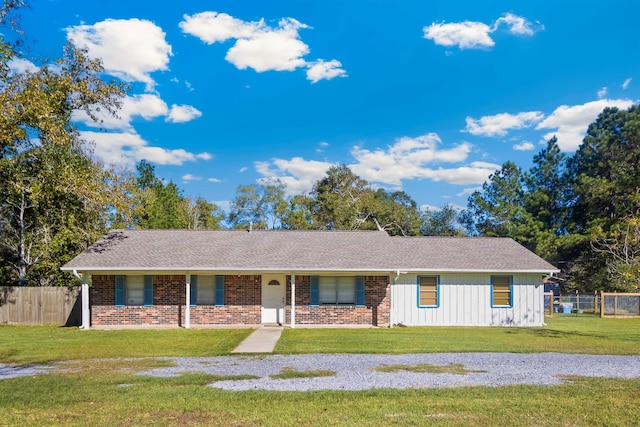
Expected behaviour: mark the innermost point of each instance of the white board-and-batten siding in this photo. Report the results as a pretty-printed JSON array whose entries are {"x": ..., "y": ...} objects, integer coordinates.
[{"x": 465, "y": 300}]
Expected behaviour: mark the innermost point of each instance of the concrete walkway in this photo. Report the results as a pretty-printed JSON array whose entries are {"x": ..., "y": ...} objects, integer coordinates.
[{"x": 263, "y": 340}]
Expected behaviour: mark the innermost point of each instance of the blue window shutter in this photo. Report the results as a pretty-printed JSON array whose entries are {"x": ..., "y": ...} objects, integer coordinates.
[
  {"x": 314, "y": 291},
  {"x": 119, "y": 290},
  {"x": 194, "y": 290},
  {"x": 219, "y": 290},
  {"x": 511, "y": 291},
  {"x": 359, "y": 290},
  {"x": 148, "y": 290}
]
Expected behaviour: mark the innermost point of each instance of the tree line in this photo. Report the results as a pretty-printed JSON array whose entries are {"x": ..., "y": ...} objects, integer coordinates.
[{"x": 579, "y": 211}]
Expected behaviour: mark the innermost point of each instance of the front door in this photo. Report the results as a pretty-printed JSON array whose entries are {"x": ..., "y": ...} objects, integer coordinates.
[{"x": 273, "y": 288}]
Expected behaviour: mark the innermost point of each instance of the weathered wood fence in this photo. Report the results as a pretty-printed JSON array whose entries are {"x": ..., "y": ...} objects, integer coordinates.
[{"x": 45, "y": 305}]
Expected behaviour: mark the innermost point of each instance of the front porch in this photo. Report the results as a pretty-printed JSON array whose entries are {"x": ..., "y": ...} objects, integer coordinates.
[{"x": 231, "y": 299}]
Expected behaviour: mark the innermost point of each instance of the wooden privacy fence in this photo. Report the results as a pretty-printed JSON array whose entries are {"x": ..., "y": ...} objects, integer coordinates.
[
  {"x": 613, "y": 304},
  {"x": 44, "y": 305}
]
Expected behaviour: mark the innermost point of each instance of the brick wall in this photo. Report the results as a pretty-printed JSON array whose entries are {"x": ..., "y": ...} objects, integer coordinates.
[
  {"x": 375, "y": 311},
  {"x": 242, "y": 301},
  {"x": 242, "y": 296}
]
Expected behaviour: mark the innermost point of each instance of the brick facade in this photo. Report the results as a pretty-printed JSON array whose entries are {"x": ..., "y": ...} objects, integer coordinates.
[
  {"x": 242, "y": 295},
  {"x": 375, "y": 312},
  {"x": 242, "y": 304}
]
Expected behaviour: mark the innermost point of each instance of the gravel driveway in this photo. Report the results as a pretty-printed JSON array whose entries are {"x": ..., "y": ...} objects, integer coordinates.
[{"x": 356, "y": 371}]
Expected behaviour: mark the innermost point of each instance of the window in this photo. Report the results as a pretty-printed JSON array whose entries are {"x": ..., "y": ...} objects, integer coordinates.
[
  {"x": 501, "y": 291},
  {"x": 428, "y": 291},
  {"x": 207, "y": 290},
  {"x": 134, "y": 290},
  {"x": 336, "y": 290}
]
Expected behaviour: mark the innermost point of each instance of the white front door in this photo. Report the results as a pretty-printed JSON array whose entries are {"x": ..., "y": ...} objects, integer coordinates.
[{"x": 273, "y": 288}]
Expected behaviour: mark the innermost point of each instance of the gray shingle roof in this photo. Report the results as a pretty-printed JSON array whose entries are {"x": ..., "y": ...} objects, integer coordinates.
[{"x": 235, "y": 250}]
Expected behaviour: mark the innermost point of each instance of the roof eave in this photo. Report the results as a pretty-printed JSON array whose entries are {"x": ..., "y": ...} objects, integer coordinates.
[{"x": 307, "y": 269}]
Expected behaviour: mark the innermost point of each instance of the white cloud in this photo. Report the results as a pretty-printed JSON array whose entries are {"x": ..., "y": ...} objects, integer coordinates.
[
  {"x": 524, "y": 146},
  {"x": 406, "y": 159},
  {"x": 475, "y": 173},
  {"x": 468, "y": 191},
  {"x": 182, "y": 113},
  {"x": 189, "y": 177},
  {"x": 21, "y": 65},
  {"x": 321, "y": 70},
  {"x": 473, "y": 34},
  {"x": 128, "y": 148},
  {"x": 280, "y": 49},
  {"x": 626, "y": 83},
  {"x": 259, "y": 46},
  {"x": 465, "y": 35},
  {"x": 204, "y": 156},
  {"x": 130, "y": 49},
  {"x": 212, "y": 27},
  {"x": 298, "y": 175},
  {"x": 322, "y": 146},
  {"x": 499, "y": 124},
  {"x": 517, "y": 24},
  {"x": 602, "y": 93},
  {"x": 243, "y": 169},
  {"x": 214, "y": 180},
  {"x": 571, "y": 122},
  {"x": 147, "y": 106}
]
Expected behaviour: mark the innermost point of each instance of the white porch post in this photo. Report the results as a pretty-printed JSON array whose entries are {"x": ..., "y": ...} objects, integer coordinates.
[
  {"x": 187, "y": 308},
  {"x": 293, "y": 300},
  {"x": 86, "y": 313}
]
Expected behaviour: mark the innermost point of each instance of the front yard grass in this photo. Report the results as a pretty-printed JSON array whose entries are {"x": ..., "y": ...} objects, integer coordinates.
[
  {"x": 563, "y": 334},
  {"x": 44, "y": 344},
  {"x": 79, "y": 399},
  {"x": 86, "y": 389}
]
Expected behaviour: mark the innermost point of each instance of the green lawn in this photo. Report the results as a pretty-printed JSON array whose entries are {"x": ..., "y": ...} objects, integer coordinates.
[
  {"x": 84, "y": 391},
  {"x": 44, "y": 344},
  {"x": 566, "y": 334},
  {"x": 563, "y": 334},
  {"x": 121, "y": 399}
]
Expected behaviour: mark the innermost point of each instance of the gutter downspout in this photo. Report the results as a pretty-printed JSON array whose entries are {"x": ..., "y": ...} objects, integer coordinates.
[{"x": 84, "y": 294}]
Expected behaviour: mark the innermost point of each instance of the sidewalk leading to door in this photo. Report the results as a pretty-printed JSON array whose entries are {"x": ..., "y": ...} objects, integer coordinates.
[{"x": 263, "y": 340}]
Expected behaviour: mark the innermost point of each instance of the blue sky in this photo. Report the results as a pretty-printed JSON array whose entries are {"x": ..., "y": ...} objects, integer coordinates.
[{"x": 425, "y": 96}]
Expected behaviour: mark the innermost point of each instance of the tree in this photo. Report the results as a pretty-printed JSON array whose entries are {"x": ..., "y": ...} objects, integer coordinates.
[
  {"x": 442, "y": 222},
  {"x": 262, "y": 205},
  {"x": 203, "y": 215},
  {"x": 337, "y": 197},
  {"x": 344, "y": 201},
  {"x": 622, "y": 250},
  {"x": 394, "y": 212},
  {"x": 298, "y": 215},
  {"x": 498, "y": 211},
  {"x": 546, "y": 201},
  {"x": 55, "y": 198},
  {"x": 604, "y": 179},
  {"x": 157, "y": 205}
]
